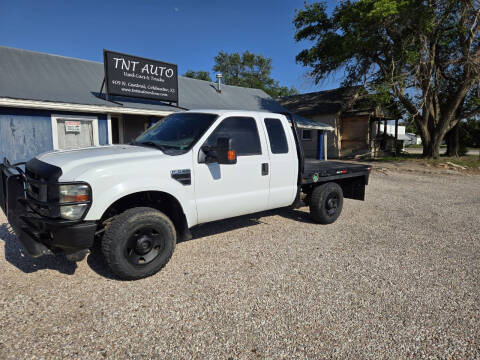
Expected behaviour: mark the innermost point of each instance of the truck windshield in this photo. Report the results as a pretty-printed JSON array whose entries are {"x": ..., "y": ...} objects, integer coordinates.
[{"x": 178, "y": 131}]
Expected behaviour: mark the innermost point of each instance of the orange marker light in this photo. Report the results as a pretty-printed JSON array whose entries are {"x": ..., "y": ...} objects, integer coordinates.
[
  {"x": 75, "y": 198},
  {"x": 231, "y": 155},
  {"x": 81, "y": 197}
]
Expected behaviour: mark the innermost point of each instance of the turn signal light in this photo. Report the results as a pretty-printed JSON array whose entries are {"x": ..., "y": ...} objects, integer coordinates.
[
  {"x": 76, "y": 198},
  {"x": 231, "y": 155}
]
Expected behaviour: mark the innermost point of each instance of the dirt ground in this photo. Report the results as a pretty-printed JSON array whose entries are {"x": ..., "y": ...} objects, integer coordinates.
[{"x": 397, "y": 276}]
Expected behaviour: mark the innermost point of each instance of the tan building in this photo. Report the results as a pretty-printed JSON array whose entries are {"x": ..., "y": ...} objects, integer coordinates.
[{"x": 353, "y": 116}]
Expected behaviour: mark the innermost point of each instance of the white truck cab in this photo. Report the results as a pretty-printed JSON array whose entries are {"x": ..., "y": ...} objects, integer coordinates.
[{"x": 193, "y": 167}]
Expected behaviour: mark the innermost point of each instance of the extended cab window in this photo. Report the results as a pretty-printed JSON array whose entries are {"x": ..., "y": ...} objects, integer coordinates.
[
  {"x": 276, "y": 135},
  {"x": 243, "y": 132}
]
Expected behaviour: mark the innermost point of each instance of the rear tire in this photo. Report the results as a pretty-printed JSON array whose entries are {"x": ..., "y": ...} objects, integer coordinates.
[
  {"x": 138, "y": 243},
  {"x": 326, "y": 203}
]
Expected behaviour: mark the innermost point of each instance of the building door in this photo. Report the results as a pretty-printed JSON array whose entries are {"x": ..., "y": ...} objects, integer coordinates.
[
  {"x": 133, "y": 126},
  {"x": 115, "y": 130},
  {"x": 70, "y": 132}
]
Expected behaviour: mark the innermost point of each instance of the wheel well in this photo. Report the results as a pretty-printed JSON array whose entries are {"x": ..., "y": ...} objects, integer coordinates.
[
  {"x": 159, "y": 200},
  {"x": 353, "y": 188}
]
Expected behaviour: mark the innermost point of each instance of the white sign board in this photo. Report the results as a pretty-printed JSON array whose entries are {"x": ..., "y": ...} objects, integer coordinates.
[{"x": 72, "y": 126}]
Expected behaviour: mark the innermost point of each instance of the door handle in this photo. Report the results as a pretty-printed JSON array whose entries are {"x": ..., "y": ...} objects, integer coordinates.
[{"x": 264, "y": 169}]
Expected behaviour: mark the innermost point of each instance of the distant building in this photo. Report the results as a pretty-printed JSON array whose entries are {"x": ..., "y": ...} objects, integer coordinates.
[
  {"x": 413, "y": 139},
  {"x": 349, "y": 111},
  {"x": 385, "y": 137}
]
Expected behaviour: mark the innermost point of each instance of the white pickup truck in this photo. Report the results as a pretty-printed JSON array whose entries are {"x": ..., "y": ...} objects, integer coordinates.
[{"x": 136, "y": 200}]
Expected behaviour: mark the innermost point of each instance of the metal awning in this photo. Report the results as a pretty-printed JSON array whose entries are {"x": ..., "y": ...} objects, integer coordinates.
[{"x": 305, "y": 123}]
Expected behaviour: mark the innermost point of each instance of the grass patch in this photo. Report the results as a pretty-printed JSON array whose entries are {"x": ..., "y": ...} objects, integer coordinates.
[{"x": 414, "y": 146}]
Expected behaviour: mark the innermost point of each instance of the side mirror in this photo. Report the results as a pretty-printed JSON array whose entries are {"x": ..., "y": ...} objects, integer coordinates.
[
  {"x": 224, "y": 151},
  {"x": 207, "y": 155}
]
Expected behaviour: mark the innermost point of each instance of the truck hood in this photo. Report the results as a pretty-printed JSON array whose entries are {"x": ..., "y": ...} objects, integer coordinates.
[{"x": 75, "y": 162}]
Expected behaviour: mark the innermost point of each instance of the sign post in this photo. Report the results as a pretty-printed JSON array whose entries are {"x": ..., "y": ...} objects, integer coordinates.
[{"x": 132, "y": 76}]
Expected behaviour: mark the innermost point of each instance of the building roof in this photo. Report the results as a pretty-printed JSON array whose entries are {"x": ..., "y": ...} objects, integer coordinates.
[
  {"x": 30, "y": 78},
  {"x": 322, "y": 102},
  {"x": 350, "y": 101}
]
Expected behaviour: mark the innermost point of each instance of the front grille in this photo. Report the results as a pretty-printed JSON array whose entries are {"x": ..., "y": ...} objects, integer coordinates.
[
  {"x": 37, "y": 189},
  {"x": 33, "y": 190}
]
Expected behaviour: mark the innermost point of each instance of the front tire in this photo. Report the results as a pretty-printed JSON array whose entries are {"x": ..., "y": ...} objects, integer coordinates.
[
  {"x": 138, "y": 243},
  {"x": 326, "y": 203}
]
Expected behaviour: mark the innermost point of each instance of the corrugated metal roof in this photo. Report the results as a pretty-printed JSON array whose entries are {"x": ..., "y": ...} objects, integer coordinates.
[
  {"x": 29, "y": 75},
  {"x": 311, "y": 124}
]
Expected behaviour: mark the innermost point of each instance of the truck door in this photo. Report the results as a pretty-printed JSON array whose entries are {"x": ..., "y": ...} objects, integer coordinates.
[
  {"x": 223, "y": 191},
  {"x": 283, "y": 163}
]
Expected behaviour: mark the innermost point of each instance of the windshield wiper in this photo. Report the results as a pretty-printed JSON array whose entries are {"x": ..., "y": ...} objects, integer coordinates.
[
  {"x": 162, "y": 147},
  {"x": 149, "y": 143}
]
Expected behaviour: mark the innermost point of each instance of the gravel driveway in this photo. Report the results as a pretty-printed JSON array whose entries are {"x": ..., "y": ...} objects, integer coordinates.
[{"x": 396, "y": 276}]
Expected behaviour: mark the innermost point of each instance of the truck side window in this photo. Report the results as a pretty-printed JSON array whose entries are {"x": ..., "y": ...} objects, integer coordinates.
[
  {"x": 276, "y": 135},
  {"x": 243, "y": 132}
]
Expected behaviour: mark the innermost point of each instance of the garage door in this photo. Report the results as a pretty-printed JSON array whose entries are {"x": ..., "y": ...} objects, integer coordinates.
[{"x": 71, "y": 132}]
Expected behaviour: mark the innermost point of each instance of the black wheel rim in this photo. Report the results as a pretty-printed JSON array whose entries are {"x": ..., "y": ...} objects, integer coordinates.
[
  {"x": 144, "y": 246},
  {"x": 331, "y": 203}
]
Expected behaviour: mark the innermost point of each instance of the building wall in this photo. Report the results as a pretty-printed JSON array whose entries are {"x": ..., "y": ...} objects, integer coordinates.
[
  {"x": 355, "y": 135},
  {"x": 25, "y": 133},
  {"x": 310, "y": 147},
  {"x": 351, "y": 135},
  {"x": 333, "y": 137}
]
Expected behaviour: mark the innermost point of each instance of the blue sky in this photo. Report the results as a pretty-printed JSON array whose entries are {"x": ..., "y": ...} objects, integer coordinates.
[{"x": 188, "y": 33}]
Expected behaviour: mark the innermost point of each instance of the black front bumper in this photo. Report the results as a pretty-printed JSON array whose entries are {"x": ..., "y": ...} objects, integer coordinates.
[{"x": 39, "y": 235}]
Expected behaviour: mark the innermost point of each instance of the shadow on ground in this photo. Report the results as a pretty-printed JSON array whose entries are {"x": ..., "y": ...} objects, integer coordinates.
[
  {"x": 221, "y": 226},
  {"x": 16, "y": 256}
]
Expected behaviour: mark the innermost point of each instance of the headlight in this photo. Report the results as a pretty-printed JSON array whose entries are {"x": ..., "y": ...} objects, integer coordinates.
[
  {"x": 72, "y": 212},
  {"x": 74, "y": 194}
]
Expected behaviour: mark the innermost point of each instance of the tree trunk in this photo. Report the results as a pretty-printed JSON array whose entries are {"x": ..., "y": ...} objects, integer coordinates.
[
  {"x": 432, "y": 148},
  {"x": 453, "y": 141},
  {"x": 433, "y": 132}
]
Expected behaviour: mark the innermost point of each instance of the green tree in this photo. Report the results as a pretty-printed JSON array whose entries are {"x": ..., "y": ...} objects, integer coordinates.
[
  {"x": 470, "y": 133},
  {"x": 200, "y": 75},
  {"x": 424, "y": 54},
  {"x": 250, "y": 70}
]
